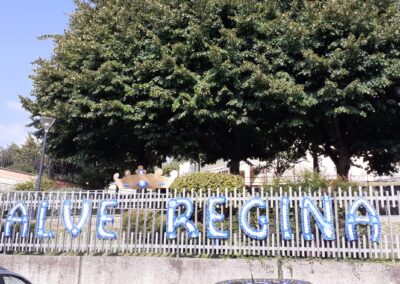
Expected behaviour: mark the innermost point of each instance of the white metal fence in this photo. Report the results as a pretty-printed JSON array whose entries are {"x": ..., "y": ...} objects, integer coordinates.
[{"x": 140, "y": 220}]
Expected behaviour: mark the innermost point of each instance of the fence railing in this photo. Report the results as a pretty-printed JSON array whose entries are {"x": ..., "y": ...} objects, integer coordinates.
[{"x": 140, "y": 224}]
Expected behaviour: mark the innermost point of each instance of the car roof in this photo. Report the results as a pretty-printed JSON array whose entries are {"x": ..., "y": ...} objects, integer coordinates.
[{"x": 6, "y": 271}]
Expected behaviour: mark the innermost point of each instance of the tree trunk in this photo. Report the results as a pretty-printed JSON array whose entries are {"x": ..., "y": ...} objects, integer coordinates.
[
  {"x": 343, "y": 165},
  {"x": 234, "y": 167},
  {"x": 341, "y": 156},
  {"x": 199, "y": 164},
  {"x": 234, "y": 163},
  {"x": 315, "y": 162},
  {"x": 342, "y": 161}
]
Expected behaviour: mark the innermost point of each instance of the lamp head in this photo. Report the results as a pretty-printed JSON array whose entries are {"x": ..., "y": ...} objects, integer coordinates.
[{"x": 47, "y": 122}]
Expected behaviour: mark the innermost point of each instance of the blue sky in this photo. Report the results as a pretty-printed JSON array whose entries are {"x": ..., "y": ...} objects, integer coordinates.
[{"x": 21, "y": 22}]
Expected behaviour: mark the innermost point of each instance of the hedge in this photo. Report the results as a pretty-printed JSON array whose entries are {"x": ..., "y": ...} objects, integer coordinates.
[
  {"x": 46, "y": 185},
  {"x": 207, "y": 181}
]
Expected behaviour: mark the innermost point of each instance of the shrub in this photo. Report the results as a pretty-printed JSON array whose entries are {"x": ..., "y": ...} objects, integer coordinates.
[
  {"x": 47, "y": 185},
  {"x": 312, "y": 181},
  {"x": 208, "y": 180},
  {"x": 139, "y": 218},
  {"x": 342, "y": 183}
]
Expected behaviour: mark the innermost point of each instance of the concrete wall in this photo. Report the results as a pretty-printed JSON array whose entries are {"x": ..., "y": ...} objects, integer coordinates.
[{"x": 131, "y": 269}]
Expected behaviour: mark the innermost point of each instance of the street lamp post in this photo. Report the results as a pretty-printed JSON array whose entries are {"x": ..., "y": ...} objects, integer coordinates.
[{"x": 46, "y": 122}]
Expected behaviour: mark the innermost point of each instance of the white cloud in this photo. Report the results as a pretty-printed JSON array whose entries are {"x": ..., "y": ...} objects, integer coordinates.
[
  {"x": 13, "y": 133},
  {"x": 14, "y": 106}
]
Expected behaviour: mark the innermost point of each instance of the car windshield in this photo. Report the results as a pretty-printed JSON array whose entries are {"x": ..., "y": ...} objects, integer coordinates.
[{"x": 9, "y": 279}]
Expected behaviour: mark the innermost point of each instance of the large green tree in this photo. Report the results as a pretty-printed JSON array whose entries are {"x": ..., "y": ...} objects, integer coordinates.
[
  {"x": 134, "y": 81},
  {"x": 346, "y": 54}
]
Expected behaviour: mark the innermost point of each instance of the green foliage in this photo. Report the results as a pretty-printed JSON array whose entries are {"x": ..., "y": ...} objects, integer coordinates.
[
  {"x": 137, "y": 220},
  {"x": 23, "y": 158},
  {"x": 131, "y": 82},
  {"x": 46, "y": 185},
  {"x": 32, "y": 227},
  {"x": 312, "y": 181},
  {"x": 207, "y": 181},
  {"x": 339, "y": 182},
  {"x": 346, "y": 54},
  {"x": 26, "y": 158},
  {"x": 169, "y": 167}
]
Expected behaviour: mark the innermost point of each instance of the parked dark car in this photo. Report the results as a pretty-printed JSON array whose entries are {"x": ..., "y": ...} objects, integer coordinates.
[
  {"x": 8, "y": 277},
  {"x": 263, "y": 281}
]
